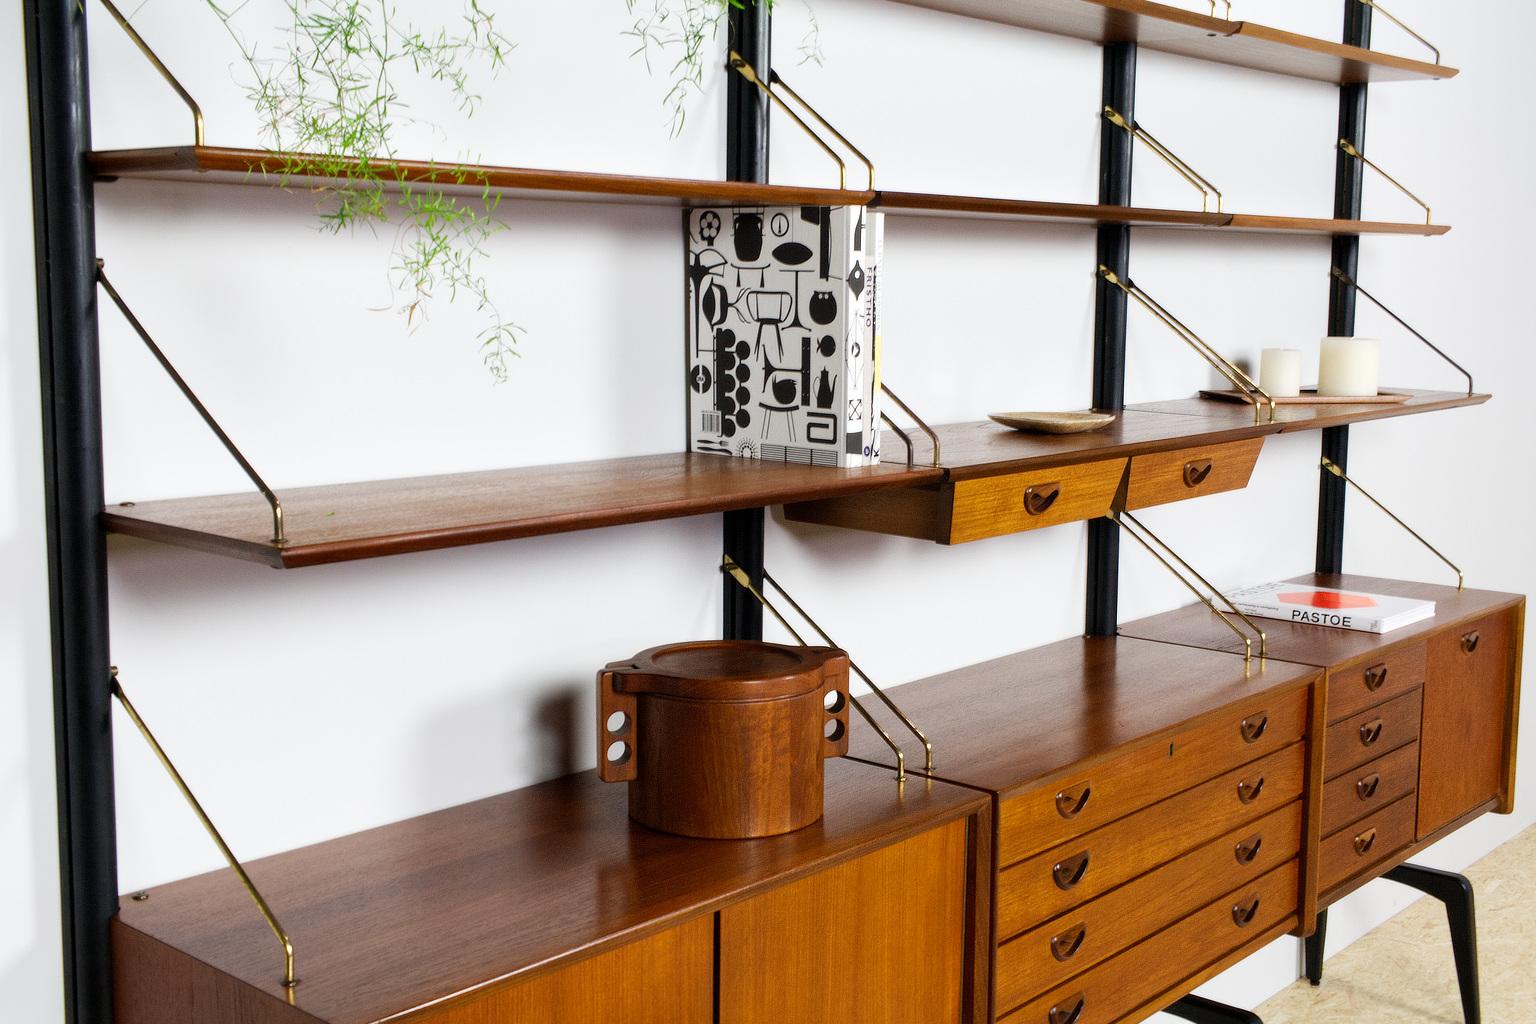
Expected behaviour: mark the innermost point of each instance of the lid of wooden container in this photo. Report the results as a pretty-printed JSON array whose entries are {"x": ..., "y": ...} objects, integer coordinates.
[{"x": 726, "y": 670}]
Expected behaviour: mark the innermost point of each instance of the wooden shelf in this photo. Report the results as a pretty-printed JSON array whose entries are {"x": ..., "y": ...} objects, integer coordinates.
[
  {"x": 442, "y": 907},
  {"x": 984, "y": 448},
  {"x": 1087, "y": 696},
  {"x": 1175, "y": 30},
  {"x": 342, "y": 522},
  {"x": 210, "y": 164}
]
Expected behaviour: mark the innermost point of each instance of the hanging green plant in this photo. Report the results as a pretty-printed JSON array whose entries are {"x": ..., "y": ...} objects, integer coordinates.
[
  {"x": 329, "y": 107},
  {"x": 681, "y": 30}
]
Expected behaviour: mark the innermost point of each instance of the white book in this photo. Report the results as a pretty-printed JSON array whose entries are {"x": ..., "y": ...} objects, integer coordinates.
[{"x": 1325, "y": 606}]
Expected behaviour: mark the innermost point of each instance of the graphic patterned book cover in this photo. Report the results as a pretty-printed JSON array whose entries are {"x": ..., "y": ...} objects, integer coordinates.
[{"x": 782, "y": 333}]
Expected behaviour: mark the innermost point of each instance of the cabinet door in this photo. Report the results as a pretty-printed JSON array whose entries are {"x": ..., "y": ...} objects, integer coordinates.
[
  {"x": 1467, "y": 696},
  {"x": 667, "y": 978},
  {"x": 871, "y": 941}
]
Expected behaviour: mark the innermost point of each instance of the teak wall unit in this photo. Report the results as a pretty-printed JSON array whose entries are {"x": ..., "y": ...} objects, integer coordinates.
[{"x": 1111, "y": 820}]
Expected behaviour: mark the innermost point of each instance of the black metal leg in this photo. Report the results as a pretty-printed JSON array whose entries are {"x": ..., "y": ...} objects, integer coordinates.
[
  {"x": 1313, "y": 945},
  {"x": 1207, "y": 1011},
  {"x": 1455, "y": 891}
]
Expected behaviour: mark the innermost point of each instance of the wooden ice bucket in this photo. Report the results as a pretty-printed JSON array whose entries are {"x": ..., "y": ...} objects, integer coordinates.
[{"x": 723, "y": 739}]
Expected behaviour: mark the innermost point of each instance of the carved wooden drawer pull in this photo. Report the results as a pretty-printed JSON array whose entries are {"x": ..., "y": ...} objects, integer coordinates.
[
  {"x": 1375, "y": 677},
  {"x": 1038, "y": 500},
  {"x": 1068, "y": 1011},
  {"x": 1366, "y": 787},
  {"x": 1249, "y": 789},
  {"x": 1244, "y": 913},
  {"x": 1071, "y": 801},
  {"x": 1469, "y": 642},
  {"x": 1248, "y": 849},
  {"x": 1195, "y": 472},
  {"x": 1065, "y": 946},
  {"x": 1364, "y": 841},
  {"x": 1254, "y": 727},
  {"x": 1370, "y": 732},
  {"x": 1070, "y": 871}
]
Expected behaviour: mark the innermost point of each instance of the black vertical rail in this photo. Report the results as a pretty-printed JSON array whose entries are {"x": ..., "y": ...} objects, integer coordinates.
[
  {"x": 1114, "y": 252},
  {"x": 63, "y": 211},
  {"x": 746, "y": 159},
  {"x": 1349, "y": 180}
]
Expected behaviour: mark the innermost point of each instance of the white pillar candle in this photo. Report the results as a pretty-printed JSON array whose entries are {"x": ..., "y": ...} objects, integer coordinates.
[
  {"x": 1349, "y": 368},
  {"x": 1280, "y": 372}
]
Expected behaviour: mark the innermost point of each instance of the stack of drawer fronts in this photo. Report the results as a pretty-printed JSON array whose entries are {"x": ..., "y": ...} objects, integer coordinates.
[
  {"x": 1371, "y": 763},
  {"x": 1118, "y": 882}
]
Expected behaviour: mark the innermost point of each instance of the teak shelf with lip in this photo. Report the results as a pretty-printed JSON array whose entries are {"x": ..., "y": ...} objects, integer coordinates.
[
  {"x": 219, "y": 165},
  {"x": 343, "y": 522},
  {"x": 1188, "y": 33}
]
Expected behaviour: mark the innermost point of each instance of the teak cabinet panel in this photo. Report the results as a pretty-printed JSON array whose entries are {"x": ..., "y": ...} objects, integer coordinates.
[
  {"x": 877, "y": 939},
  {"x": 991, "y": 506},
  {"x": 667, "y": 978},
  {"x": 1467, "y": 712},
  {"x": 1375, "y": 680},
  {"x": 1191, "y": 472}
]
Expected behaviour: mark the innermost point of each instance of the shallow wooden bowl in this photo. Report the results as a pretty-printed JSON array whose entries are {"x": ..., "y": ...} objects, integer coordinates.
[{"x": 1054, "y": 422}]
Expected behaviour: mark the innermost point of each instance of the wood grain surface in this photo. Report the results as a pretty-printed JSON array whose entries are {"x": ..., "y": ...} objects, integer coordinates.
[
  {"x": 1199, "y": 35},
  {"x": 1358, "y": 793},
  {"x": 454, "y": 905},
  {"x": 339, "y": 522},
  {"x": 1365, "y": 844},
  {"x": 837, "y": 947},
  {"x": 1051, "y": 714},
  {"x": 1162, "y": 477},
  {"x": 1372, "y": 733}
]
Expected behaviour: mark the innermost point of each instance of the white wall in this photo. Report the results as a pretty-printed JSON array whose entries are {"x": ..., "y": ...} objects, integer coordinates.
[{"x": 308, "y": 704}]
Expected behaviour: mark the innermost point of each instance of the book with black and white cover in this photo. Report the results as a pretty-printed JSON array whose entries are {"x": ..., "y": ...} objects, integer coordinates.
[{"x": 1327, "y": 606}]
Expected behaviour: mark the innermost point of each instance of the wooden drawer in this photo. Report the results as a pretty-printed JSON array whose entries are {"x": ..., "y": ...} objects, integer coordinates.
[
  {"x": 1061, "y": 949},
  {"x": 1078, "y": 803},
  {"x": 1368, "y": 683},
  {"x": 1091, "y": 865},
  {"x": 1113, "y": 989},
  {"x": 1467, "y": 709},
  {"x": 1371, "y": 733},
  {"x": 1370, "y": 787},
  {"x": 991, "y": 506},
  {"x": 1190, "y": 472},
  {"x": 974, "y": 508},
  {"x": 1348, "y": 852}
]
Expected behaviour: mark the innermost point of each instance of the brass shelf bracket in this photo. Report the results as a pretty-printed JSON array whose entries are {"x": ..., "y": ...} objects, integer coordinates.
[
  {"x": 1346, "y": 279},
  {"x": 737, "y": 63},
  {"x": 165, "y": 72},
  {"x": 933, "y": 437},
  {"x": 278, "y": 537},
  {"x": 1336, "y": 470},
  {"x": 1234, "y": 373},
  {"x": 1350, "y": 149},
  {"x": 735, "y": 571},
  {"x": 1228, "y": 14},
  {"x": 1164, "y": 554},
  {"x": 1373, "y": 5},
  {"x": 290, "y": 980},
  {"x": 1200, "y": 182}
]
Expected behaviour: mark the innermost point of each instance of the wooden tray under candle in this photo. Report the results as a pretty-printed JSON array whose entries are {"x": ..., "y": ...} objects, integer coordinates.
[{"x": 1309, "y": 396}]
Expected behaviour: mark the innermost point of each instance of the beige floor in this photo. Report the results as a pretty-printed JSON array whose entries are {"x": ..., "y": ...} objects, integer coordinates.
[{"x": 1402, "y": 973}]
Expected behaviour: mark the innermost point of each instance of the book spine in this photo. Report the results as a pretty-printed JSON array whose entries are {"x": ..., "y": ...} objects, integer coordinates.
[{"x": 1337, "y": 620}]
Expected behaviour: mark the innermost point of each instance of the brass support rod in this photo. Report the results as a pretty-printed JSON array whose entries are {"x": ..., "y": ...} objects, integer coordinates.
[
  {"x": 1201, "y": 183},
  {"x": 905, "y": 439},
  {"x": 777, "y": 79},
  {"x": 165, "y": 72},
  {"x": 1234, "y": 373},
  {"x": 1228, "y": 15},
  {"x": 739, "y": 64},
  {"x": 915, "y": 418},
  {"x": 202, "y": 410},
  {"x": 1350, "y": 150},
  {"x": 1404, "y": 325},
  {"x": 878, "y": 692},
  {"x": 1121, "y": 518},
  {"x": 1235, "y": 610},
  {"x": 1333, "y": 467},
  {"x": 289, "y": 979},
  {"x": 1373, "y": 5},
  {"x": 737, "y": 573}
]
